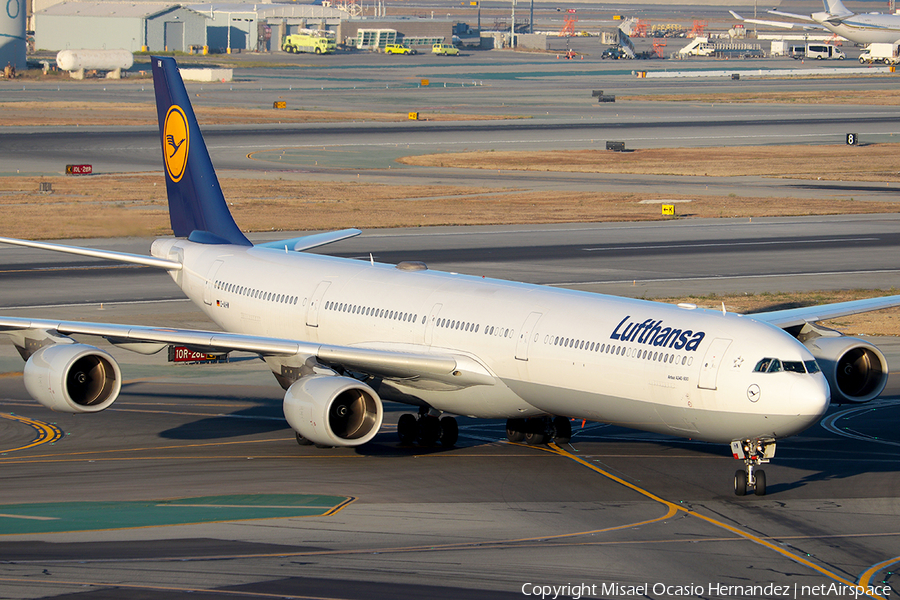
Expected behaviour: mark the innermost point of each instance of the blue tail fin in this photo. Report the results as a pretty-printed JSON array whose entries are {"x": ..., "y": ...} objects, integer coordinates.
[{"x": 197, "y": 208}]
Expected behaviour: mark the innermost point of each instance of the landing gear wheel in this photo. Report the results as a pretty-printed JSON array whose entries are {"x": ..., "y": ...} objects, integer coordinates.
[
  {"x": 515, "y": 430},
  {"x": 429, "y": 430},
  {"x": 449, "y": 432},
  {"x": 740, "y": 482},
  {"x": 407, "y": 429},
  {"x": 535, "y": 432},
  {"x": 760, "y": 487},
  {"x": 562, "y": 428},
  {"x": 302, "y": 440}
]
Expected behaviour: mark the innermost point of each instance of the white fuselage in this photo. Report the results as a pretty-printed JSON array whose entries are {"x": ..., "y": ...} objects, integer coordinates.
[
  {"x": 864, "y": 29},
  {"x": 645, "y": 365}
]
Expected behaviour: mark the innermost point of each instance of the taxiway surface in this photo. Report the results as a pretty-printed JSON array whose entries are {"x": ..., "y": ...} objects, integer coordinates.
[
  {"x": 204, "y": 458},
  {"x": 186, "y": 447}
]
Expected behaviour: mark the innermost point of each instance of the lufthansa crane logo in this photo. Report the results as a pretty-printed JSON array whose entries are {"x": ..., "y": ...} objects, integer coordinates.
[{"x": 176, "y": 143}]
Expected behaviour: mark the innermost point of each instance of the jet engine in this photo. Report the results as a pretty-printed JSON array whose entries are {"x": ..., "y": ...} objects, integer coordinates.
[
  {"x": 856, "y": 370},
  {"x": 73, "y": 378},
  {"x": 332, "y": 410}
]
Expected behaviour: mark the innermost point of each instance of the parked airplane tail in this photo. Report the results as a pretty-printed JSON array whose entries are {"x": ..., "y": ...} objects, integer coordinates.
[
  {"x": 197, "y": 208},
  {"x": 836, "y": 8}
]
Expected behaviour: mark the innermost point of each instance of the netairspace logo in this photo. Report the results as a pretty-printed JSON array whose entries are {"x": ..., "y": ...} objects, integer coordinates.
[{"x": 576, "y": 591}]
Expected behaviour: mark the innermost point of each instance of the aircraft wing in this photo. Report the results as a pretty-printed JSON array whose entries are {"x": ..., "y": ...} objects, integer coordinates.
[
  {"x": 790, "y": 15},
  {"x": 808, "y": 24},
  {"x": 782, "y": 24},
  {"x": 378, "y": 362},
  {"x": 797, "y": 316}
]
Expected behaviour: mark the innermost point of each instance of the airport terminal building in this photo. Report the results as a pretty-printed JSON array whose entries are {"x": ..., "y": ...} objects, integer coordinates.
[
  {"x": 113, "y": 25},
  {"x": 137, "y": 26}
]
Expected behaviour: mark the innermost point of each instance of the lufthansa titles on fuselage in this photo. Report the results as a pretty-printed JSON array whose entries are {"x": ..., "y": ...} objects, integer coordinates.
[{"x": 652, "y": 333}]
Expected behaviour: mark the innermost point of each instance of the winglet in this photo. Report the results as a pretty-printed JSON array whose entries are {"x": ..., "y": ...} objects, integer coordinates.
[{"x": 197, "y": 208}]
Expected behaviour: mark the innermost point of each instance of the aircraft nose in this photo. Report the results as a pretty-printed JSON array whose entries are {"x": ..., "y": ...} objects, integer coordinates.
[{"x": 810, "y": 397}]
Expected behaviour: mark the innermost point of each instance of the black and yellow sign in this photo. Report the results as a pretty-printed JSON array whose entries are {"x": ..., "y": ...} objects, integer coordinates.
[
  {"x": 668, "y": 210},
  {"x": 176, "y": 142},
  {"x": 413, "y": 116}
]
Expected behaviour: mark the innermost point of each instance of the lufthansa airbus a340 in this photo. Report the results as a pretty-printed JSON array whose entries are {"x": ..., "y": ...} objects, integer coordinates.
[
  {"x": 862, "y": 28},
  {"x": 340, "y": 335}
]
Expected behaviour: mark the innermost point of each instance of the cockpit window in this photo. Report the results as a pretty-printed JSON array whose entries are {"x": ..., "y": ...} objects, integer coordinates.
[
  {"x": 773, "y": 365},
  {"x": 794, "y": 367}
]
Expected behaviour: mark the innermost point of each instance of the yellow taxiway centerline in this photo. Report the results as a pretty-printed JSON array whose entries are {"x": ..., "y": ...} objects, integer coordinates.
[
  {"x": 553, "y": 448},
  {"x": 46, "y": 433}
]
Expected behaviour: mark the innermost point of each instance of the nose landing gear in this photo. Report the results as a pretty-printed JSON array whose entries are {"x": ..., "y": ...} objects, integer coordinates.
[{"x": 754, "y": 453}]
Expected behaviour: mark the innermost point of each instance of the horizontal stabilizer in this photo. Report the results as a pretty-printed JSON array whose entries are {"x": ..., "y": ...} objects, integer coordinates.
[
  {"x": 308, "y": 242},
  {"x": 124, "y": 257}
]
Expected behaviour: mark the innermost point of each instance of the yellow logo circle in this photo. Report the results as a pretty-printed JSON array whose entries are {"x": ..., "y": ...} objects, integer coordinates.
[{"x": 175, "y": 142}]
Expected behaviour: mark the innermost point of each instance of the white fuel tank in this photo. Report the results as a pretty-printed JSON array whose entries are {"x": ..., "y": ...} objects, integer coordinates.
[{"x": 102, "y": 60}]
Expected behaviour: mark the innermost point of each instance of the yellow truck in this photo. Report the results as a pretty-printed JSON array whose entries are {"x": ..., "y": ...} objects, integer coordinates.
[
  {"x": 398, "y": 49},
  {"x": 317, "y": 42}
]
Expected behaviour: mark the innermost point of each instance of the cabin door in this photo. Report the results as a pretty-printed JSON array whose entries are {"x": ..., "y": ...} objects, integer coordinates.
[
  {"x": 526, "y": 334},
  {"x": 312, "y": 312},
  {"x": 211, "y": 282},
  {"x": 709, "y": 370}
]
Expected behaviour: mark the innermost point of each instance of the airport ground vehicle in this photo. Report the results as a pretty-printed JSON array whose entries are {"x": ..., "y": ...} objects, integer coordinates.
[
  {"x": 613, "y": 52},
  {"x": 445, "y": 50},
  {"x": 316, "y": 42},
  {"x": 398, "y": 49},
  {"x": 888, "y": 54},
  {"x": 818, "y": 52}
]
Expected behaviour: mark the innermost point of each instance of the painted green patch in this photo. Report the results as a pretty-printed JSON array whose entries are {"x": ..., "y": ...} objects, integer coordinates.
[{"x": 56, "y": 517}]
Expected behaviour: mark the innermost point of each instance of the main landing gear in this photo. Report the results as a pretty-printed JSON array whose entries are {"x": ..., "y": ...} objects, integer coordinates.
[
  {"x": 754, "y": 453},
  {"x": 427, "y": 429},
  {"x": 540, "y": 430}
]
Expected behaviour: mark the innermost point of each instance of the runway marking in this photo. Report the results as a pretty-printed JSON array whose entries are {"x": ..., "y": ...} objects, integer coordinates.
[
  {"x": 828, "y": 423},
  {"x": 67, "y": 517},
  {"x": 871, "y": 571},
  {"x": 267, "y": 149},
  {"x": 231, "y": 592},
  {"x": 553, "y": 448},
  {"x": 87, "y": 453},
  {"x": 82, "y": 304},
  {"x": 46, "y": 432},
  {"x": 169, "y": 588},
  {"x": 732, "y": 244},
  {"x": 728, "y": 277},
  {"x": 73, "y": 268}
]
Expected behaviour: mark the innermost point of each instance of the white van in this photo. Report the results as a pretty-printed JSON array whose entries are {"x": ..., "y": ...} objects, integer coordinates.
[{"x": 824, "y": 51}]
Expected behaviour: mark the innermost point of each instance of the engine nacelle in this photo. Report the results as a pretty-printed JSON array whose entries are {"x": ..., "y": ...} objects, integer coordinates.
[
  {"x": 856, "y": 370},
  {"x": 73, "y": 378},
  {"x": 333, "y": 411}
]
